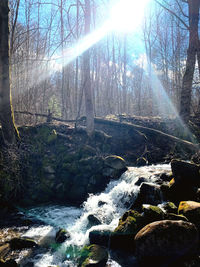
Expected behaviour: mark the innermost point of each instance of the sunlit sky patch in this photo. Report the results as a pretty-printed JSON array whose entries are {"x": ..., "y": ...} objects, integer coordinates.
[{"x": 126, "y": 16}]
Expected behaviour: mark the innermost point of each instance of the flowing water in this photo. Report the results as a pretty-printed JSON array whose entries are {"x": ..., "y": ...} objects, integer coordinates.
[{"x": 107, "y": 207}]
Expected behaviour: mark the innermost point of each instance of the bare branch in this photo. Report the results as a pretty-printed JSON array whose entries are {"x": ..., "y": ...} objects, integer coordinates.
[{"x": 173, "y": 13}]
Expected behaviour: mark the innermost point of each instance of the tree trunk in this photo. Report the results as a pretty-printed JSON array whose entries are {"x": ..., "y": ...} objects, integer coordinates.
[
  {"x": 185, "y": 101},
  {"x": 6, "y": 115},
  {"x": 87, "y": 80}
]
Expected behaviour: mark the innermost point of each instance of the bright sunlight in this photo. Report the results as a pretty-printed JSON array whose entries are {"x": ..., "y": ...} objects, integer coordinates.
[{"x": 127, "y": 15}]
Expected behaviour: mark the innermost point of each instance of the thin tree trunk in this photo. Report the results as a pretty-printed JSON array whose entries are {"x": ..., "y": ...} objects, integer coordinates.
[
  {"x": 6, "y": 115},
  {"x": 87, "y": 79},
  {"x": 185, "y": 101}
]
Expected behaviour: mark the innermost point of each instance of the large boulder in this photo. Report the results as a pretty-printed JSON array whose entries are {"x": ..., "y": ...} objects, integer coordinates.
[
  {"x": 114, "y": 166},
  {"x": 93, "y": 255},
  {"x": 191, "y": 210},
  {"x": 185, "y": 181},
  {"x": 186, "y": 172},
  {"x": 92, "y": 220},
  {"x": 148, "y": 194},
  {"x": 152, "y": 213},
  {"x": 164, "y": 242},
  {"x": 100, "y": 237}
]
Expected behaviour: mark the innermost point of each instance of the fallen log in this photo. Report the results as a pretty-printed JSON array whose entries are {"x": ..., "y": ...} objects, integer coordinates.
[
  {"x": 145, "y": 130},
  {"x": 149, "y": 131}
]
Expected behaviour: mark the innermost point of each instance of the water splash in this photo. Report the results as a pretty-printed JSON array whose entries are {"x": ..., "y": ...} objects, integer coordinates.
[{"x": 107, "y": 207}]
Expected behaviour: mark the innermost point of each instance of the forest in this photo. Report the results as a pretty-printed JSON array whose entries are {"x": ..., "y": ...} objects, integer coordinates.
[{"x": 99, "y": 133}]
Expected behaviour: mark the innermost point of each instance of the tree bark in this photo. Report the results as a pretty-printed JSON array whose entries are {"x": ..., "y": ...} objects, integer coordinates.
[
  {"x": 192, "y": 53},
  {"x": 87, "y": 80},
  {"x": 6, "y": 114}
]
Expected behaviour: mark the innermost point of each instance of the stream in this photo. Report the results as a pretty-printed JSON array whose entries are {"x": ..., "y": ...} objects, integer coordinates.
[{"x": 107, "y": 207}]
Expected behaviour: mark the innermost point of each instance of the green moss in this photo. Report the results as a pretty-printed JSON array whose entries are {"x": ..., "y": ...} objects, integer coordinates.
[
  {"x": 170, "y": 207},
  {"x": 129, "y": 223},
  {"x": 52, "y": 137},
  {"x": 152, "y": 213},
  {"x": 92, "y": 253}
]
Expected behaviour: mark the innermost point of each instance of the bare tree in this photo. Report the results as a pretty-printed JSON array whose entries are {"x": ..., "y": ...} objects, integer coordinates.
[
  {"x": 6, "y": 115},
  {"x": 192, "y": 52},
  {"x": 87, "y": 79}
]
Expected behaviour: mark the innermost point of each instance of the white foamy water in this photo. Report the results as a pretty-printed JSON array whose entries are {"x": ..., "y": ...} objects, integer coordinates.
[{"x": 107, "y": 207}]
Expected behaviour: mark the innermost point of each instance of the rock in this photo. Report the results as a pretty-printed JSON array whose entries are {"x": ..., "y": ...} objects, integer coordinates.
[
  {"x": 8, "y": 263},
  {"x": 177, "y": 191},
  {"x": 62, "y": 235},
  {"x": 93, "y": 255},
  {"x": 114, "y": 166},
  {"x": 115, "y": 162},
  {"x": 175, "y": 217},
  {"x": 165, "y": 177},
  {"x": 123, "y": 236},
  {"x": 141, "y": 162},
  {"x": 100, "y": 237},
  {"x": 186, "y": 181},
  {"x": 152, "y": 213},
  {"x": 163, "y": 242},
  {"x": 101, "y": 203},
  {"x": 22, "y": 243},
  {"x": 186, "y": 172},
  {"x": 191, "y": 210},
  {"x": 148, "y": 194},
  {"x": 140, "y": 181},
  {"x": 170, "y": 207},
  {"x": 92, "y": 220}
]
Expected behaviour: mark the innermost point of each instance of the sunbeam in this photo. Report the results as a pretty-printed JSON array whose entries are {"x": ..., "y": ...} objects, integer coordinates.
[
  {"x": 165, "y": 106},
  {"x": 125, "y": 16}
]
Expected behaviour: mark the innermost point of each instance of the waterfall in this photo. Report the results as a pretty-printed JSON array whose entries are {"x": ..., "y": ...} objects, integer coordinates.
[{"x": 107, "y": 207}]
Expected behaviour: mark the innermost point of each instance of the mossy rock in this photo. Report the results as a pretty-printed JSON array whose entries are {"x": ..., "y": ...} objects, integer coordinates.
[
  {"x": 43, "y": 132},
  {"x": 152, "y": 213},
  {"x": 123, "y": 236},
  {"x": 93, "y": 255},
  {"x": 191, "y": 210},
  {"x": 166, "y": 240},
  {"x": 52, "y": 137},
  {"x": 115, "y": 162},
  {"x": 170, "y": 207}
]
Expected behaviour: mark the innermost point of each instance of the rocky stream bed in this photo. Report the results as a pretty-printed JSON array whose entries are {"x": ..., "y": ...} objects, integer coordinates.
[{"x": 100, "y": 212}]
